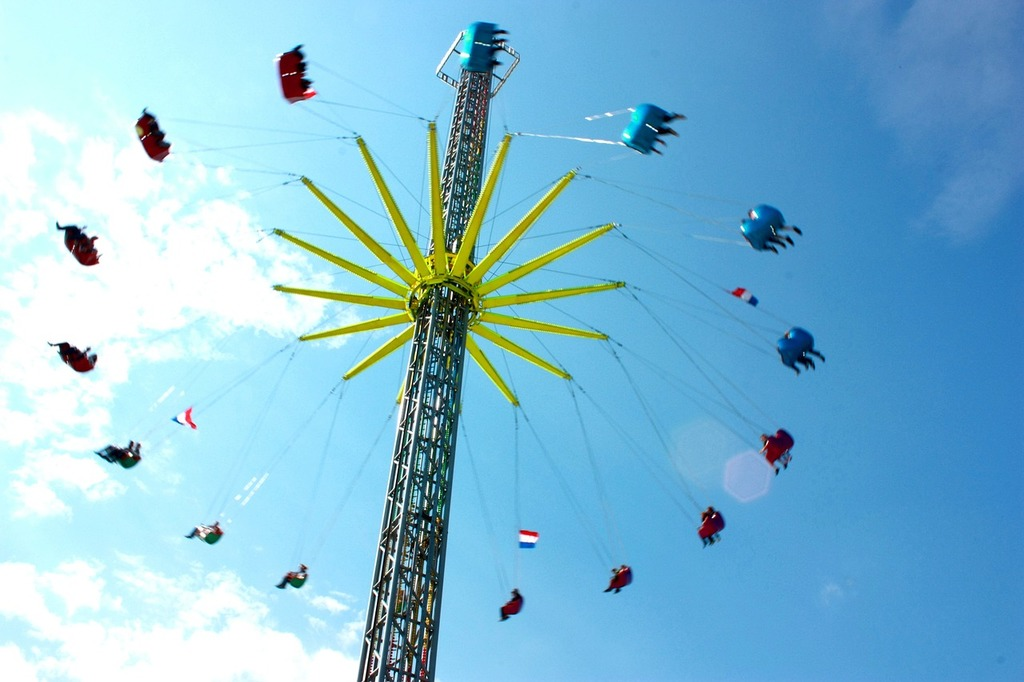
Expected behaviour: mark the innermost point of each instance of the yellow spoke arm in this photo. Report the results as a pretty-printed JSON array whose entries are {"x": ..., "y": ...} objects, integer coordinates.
[
  {"x": 388, "y": 348},
  {"x": 477, "y": 353},
  {"x": 369, "y": 242},
  {"x": 357, "y": 299},
  {"x": 534, "y": 296},
  {"x": 509, "y": 240},
  {"x": 541, "y": 261},
  {"x": 476, "y": 219},
  {"x": 369, "y": 275},
  {"x": 501, "y": 341},
  {"x": 392, "y": 208},
  {"x": 377, "y": 323},
  {"x": 537, "y": 326},
  {"x": 440, "y": 255}
]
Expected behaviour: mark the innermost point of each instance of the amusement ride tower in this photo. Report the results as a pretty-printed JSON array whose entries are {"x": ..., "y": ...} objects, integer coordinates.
[{"x": 442, "y": 302}]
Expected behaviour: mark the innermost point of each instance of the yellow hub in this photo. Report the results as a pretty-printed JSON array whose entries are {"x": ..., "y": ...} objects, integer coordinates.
[
  {"x": 406, "y": 289},
  {"x": 457, "y": 285}
]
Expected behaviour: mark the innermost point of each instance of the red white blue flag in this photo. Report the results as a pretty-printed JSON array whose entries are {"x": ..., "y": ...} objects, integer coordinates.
[
  {"x": 528, "y": 539},
  {"x": 185, "y": 418},
  {"x": 742, "y": 293}
]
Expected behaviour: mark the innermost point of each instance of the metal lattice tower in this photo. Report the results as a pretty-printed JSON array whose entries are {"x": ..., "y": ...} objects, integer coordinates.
[
  {"x": 404, "y": 611},
  {"x": 444, "y": 300}
]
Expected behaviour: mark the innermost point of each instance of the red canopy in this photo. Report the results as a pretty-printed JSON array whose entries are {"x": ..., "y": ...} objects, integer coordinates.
[
  {"x": 294, "y": 84},
  {"x": 152, "y": 137}
]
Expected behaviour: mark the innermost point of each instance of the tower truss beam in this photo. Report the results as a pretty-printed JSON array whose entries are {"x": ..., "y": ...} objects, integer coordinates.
[
  {"x": 404, "y": 610},
  {"x": 442, "y": 306}
]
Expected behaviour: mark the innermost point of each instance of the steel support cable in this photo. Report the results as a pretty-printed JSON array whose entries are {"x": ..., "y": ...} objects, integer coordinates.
[
  {"x": 529, "y": 235},
  {"x": 198, "y": 148},
  {"x": 649, "y": 413},
  {"x": 492, "y": 538},
  {"x": 715, "y": 222},
  {"x": 250, "y": 193},
  {"x": 495, "y": 213},
  {"x": 691, "y": 310},
  {"x": 640, "y": 451},
  {"x": 228, "y": 150},
  {"x": 207, "y": 401},
  {"x": 214, "y": 398},
  {"x": 618, "y": 184},
  {"x": 423, "y": 196},
  {"x": 353, "y": 480},
  {"x": 594, "y": 140},
  {"x": 301, "y": 545},
  {"x": 268, "y": 168},
  {"x": 333, "y": 120},
  {"x": 517, "y": 490},
  {"x": 290, "y": 442},
  {"x": 327, "y": 69},
  {"x": 254, "y": 145},
  {"x": 299, "y": 429},
  {"x": 222, "y": 495},
  {"x": 689, "y": 356},
  {"x": 694, "y": 393},
  {"x": 235, "y": 126},
  {"x": 713, "y": 368},
  {"x": 331, "y": 103},
  {"x": 739, "y": 391},
  {"x": 516, "y": 469},
  {"x": 396, "y": 178},
  {"x": 241, "y": 194},
  {"x": 610, "y": 524},
  {"x": 370, "y": 209},
  {"x": 613, "y": 530},
  {"x": 584, "y": 518},
  {"x": 673, "y": 268},
  {"x": 160, "y": 337},
  {"x": 516, "y": 204}
]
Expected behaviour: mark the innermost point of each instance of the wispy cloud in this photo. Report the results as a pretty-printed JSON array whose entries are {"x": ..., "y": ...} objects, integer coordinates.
[
  {"x": 179, "y": 267},
  {"x": 196, "y": 628},
  {"x": 329, "y": 604},
  {"x": 830, "y": 593},
  {"x": 45, "y": 475},
  {"x": 948, "y": 79},
  {"x": 834, "y": 592}
]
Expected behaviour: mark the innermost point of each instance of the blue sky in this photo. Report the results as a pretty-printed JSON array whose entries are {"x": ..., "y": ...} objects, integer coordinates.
[{"x": 890, "y": 549}]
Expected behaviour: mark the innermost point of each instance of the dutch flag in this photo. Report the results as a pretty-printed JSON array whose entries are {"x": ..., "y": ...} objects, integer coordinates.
[
  {"x": 742, "y": 293},
  {"x": 185, "y": 418},
  {"x": 528, "y": 539}
]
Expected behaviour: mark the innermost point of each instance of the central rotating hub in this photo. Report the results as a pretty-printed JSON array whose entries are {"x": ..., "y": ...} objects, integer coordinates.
[{"x": 420, "y": 292}]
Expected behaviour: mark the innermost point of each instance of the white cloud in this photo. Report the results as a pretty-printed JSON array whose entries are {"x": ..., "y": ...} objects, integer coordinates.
[
  {"x": 37, "y": 483},
  {"x": 178, "y": 271},
  {"x": 946, "y": 77},
  {"x": 17, "y": 142},
  {"x": 37, "y": 499},
  {"x": 197, "y": 627},
  {"x": 78, "y": 585},
  {"x": 351, "y": 634},
  {"x": 22, "y": 601},
  {"x": 14, "y": 665},
  {"x": 833, "y": 592},
  {"x": 329, "y": 604},
  {"x": 830, "y": 593}
]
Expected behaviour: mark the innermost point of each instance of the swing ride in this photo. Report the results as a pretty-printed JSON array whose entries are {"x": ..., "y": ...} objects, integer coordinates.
[
  {"x": 451, "y": 300},
  {"x": 444, "y": 302},
  {"x": 646, "y": 128},
  {"x": 152, "y": 137},
  {"x": 81, "y": 245}
]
